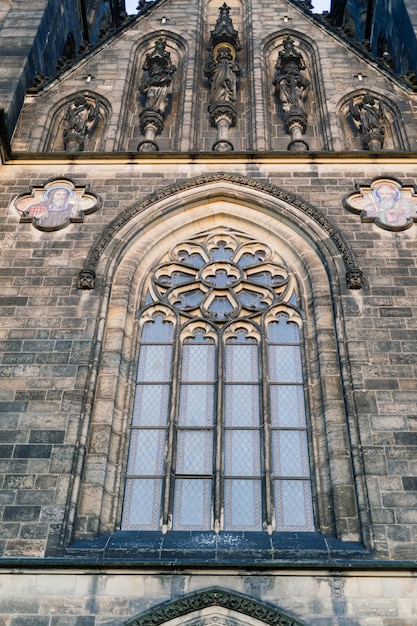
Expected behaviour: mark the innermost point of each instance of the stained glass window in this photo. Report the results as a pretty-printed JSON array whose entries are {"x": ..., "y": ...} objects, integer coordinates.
[{"x": 219, "y": 433}]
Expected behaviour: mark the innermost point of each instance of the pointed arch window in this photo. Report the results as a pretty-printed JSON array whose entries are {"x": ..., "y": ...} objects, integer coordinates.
[{"x": 219, "y": 435}]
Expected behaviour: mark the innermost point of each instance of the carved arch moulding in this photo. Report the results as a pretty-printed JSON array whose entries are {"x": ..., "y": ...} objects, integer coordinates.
[
  {"x": 252, "y": 611},
  {"x": 87, "y": 276}
]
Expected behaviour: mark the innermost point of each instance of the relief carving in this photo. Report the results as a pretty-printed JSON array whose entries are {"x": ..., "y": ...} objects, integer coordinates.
[{"x": 215, "y": 598}]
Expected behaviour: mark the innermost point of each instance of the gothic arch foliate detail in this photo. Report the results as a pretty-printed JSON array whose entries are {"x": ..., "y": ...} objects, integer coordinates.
[
  {"x": 214, "y": 597},
  {"x": 86, "y": 279}
]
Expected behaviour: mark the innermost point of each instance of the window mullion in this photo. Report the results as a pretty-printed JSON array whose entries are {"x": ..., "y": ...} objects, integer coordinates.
[
  {"x": 266, "y": 456},
  {"x": 218, "y": 478},
  {"x": 170, "y": 443}
]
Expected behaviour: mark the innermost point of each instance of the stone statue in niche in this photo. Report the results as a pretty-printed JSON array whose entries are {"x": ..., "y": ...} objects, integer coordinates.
[
  {"x": 80, "y": 121},
  {"x": 291, "y": 88},
  {"x": 55, "y": 205},
  {"x": 369, "y": 119},
  {"x": 156, "y": 89},
  {"x": 222, "y": 72},
  {"x": 386, "y": 203}
]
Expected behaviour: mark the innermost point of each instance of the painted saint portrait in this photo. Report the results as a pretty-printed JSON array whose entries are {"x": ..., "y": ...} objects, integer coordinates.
[
  {"x": 55, "y": 206},
  {"x": 386, "y": 203}
]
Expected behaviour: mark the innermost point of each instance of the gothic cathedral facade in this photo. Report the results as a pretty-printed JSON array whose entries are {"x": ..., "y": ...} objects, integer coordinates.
[{"x": 208, "y": 335}]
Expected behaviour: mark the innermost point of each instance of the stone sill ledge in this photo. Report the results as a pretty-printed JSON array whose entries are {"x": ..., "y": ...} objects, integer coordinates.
[{"x": 205, "y": 550}]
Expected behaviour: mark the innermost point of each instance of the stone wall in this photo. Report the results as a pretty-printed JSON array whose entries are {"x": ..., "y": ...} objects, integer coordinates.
[
  {"x": 113, "y": 598},
  {"x": 49, "y": 330}
]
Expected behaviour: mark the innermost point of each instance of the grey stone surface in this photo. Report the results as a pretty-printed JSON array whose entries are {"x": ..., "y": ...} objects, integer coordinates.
[{"x": 68, "y": 356}]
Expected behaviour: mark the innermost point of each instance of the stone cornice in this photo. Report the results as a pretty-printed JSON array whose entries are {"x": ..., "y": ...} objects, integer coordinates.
[{"x": 392, "y": 157}]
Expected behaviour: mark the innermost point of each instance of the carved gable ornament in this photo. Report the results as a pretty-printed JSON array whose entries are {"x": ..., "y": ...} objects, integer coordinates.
[
  {"x": 386, "y": 202},
  {"x": 55, "y": 205},
  {"x": 228, "y": 608}
]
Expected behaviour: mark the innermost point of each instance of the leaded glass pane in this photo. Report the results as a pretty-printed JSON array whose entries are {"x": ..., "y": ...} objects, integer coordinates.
[
  {"x": 151, "y": 405},
  {"x": 242, "y": 405},
  {"x": 287, "y": 406},
  {"x": 221, "y": 253},
  {"x": 242, "y": 505},
  {"x": 250, "y": 259},
  {"x": 176, "y": 278},
  {"x": 146, "y": 454},
  {"x": 194, "y": 452},
  {"x": 294, "y": 510},
  {"x": 157, "y": 331},
  {"x": 191, "y": 298},
  {"x": 217, "y": 278},
  {"x": 196, "y": 405},
  {"x": 142, "y": 504},
  {"x": 263, "y": 278},
  {"x": 290, "y": 455},
  {"x": 198, "y": 362},
  {"x": 285, "y": 364},
  {"x": 154, "y": 363},
  {"x": 293, "y": 299},
  {"x": 283, "y": 331},
  {"x": 192, "y": 504},
  {"x": 195, "y": 259},
  {"x": 241, "y": 363},
  {"x": 242, "y": 453},
  {"x": 220, "y": 307},
  {"x": 252, "y": 299},
  {"x": 221, "y": 278}
]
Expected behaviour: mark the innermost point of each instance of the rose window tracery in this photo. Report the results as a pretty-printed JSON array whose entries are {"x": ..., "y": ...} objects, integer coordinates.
[{"x": 221, "y": 277}]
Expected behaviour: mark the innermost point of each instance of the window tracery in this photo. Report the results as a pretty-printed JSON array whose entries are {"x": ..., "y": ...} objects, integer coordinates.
[{"x": 219, "y": 437}]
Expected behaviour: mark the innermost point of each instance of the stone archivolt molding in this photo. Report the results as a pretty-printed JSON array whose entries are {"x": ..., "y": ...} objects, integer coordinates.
[
  {"x": 86, "y": 278},
  {"x": 214, "y": 598}
]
